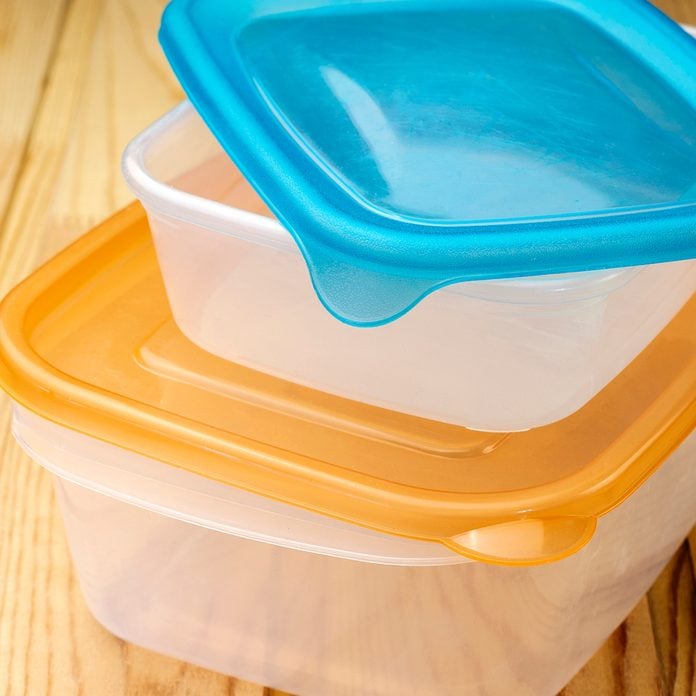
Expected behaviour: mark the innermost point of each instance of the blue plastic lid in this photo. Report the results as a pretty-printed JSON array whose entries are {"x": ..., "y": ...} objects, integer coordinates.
[{"x": 409, "y": 144}]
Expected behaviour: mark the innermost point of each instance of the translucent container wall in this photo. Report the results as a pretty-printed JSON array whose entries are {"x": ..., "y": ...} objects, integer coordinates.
[{"x": 268, "y": 593}]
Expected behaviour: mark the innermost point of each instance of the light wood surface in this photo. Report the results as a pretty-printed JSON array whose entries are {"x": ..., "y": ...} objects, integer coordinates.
[{"x": 77, "y": 79}]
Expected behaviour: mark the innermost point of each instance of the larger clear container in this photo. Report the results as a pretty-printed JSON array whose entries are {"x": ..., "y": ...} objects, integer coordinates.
[
  {"x": 266, "y": 592},
  {"x": 497, "y": 355},
  {"x": 323, "y": 546}
]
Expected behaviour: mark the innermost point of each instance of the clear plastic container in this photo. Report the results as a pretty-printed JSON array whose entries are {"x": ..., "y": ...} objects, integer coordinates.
[
  {"x": 320, "y": 545},
  {"x": 496, "y": 355},
  {"x": 266, "y": 592}
]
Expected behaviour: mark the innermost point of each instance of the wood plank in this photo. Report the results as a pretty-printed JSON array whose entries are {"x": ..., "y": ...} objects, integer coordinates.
[
  {"x": 38, "y": 591},
  {"x": 626, "y": 664},
  {"x": 109, "y": 81},
  {"x": 680, "y": 10},
  {"x": 129, "y": 86},
  {"x": 673, "y": 611},
  {"x": 148, "y": 673},
  {"x": 29, "y": 33},
  {"x": 691, "y": 545},
  {"x": 26, "y": 213}
]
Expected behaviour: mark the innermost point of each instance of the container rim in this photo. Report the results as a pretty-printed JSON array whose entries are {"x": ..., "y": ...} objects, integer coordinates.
[{"x": 203, "y": 493}]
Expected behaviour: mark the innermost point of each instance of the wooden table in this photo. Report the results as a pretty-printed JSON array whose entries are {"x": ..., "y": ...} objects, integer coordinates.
[{"x": 78, "y": 78}]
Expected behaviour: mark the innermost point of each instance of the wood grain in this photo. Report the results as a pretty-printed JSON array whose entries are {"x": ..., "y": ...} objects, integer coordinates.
[
  {"x": 45, "y": 149},
  {"x": 29, "y": 33},
  {"x": 626, "y": 665},
  {"x": 89, "y": 107},
  {"x": 84, "y": 76},
  {"x": 673, "y": 614}
]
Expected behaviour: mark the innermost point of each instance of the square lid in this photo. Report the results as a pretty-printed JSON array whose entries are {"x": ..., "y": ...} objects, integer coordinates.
[
  {"x": 409, "y": 144},
  {"x": 88, "y": 342}
]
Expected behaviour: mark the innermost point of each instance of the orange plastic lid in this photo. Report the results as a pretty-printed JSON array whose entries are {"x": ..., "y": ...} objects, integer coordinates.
[{"x": 88, "y": 342}]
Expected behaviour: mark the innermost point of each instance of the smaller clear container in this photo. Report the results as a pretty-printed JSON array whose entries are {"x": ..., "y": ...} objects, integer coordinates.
[{"x": 496, "y": 355}]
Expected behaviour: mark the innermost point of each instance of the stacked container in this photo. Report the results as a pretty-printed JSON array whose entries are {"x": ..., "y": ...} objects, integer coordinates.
[
  {"x": 282, "y": 455},
  {"x": 497, "y": 355}
]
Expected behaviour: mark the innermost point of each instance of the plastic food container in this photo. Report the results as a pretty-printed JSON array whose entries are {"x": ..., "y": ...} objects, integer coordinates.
[
  {"x": 198, "y": 571},
  {"x": 257, "y": 527},
  {"x": 503, "y": 355}
]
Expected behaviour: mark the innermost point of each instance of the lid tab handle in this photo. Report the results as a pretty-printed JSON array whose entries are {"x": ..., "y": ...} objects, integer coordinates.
[{"x": 526, "y": 541}]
